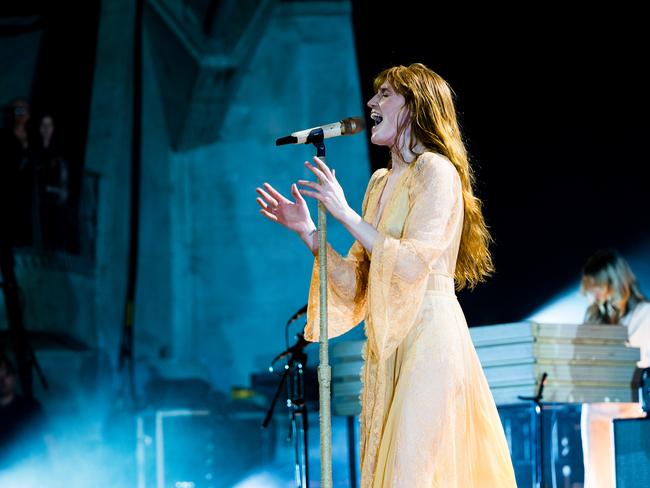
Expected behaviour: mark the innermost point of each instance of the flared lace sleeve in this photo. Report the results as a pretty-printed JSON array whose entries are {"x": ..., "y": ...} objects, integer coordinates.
[
  {"x": 347, "y": 278},
  {"x": 400, "y": 267}
]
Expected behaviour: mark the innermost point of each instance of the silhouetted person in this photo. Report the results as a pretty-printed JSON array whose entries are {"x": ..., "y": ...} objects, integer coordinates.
[
  {"x": 16, "y": 175},
  {"x": 52, "y": 196}
]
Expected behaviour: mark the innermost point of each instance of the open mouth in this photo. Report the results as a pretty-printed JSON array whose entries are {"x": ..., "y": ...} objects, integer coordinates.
[{"x": 376, "y": 118}]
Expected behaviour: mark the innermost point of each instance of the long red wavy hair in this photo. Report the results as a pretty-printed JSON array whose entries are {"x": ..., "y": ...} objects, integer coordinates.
[{"x": 429, "y": 100}]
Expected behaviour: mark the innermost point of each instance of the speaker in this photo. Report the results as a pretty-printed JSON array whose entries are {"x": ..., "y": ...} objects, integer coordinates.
[
  {"x": 632, "y": 452},
  {"x": 194, "y": 448},
  {"x": 558, "y": 439}
]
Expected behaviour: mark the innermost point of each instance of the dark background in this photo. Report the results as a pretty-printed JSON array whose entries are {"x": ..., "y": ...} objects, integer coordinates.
[{"x": 554, "y": 107}]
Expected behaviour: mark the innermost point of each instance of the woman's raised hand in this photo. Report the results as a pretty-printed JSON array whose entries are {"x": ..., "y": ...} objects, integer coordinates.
[
  {"x": 292, "y": 215},
  {"x": 326, "y": 190}
]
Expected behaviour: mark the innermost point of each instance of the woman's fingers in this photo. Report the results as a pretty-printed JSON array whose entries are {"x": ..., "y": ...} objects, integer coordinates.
[
  {"x": 322, "y": 166},
  {"x": 311, "y": 194},
  {"x": 262, "y": 203},
  {"x": 276, "y": 194},
  {"x": 269, "y": 199},
  {"x": 269, "y": 215},
  {"x": 296, "y": 193},
  {"x": 266, "y": 210},
  {"x": 310, "y": 184},
  {"x": 319, "y": 174}
]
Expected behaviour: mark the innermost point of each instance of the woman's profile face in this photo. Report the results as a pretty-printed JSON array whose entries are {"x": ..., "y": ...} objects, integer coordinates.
[{"x": 387, "y": 111}]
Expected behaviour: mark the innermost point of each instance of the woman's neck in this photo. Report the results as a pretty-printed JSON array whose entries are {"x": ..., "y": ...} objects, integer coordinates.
[{"x": 403, "y": 155}]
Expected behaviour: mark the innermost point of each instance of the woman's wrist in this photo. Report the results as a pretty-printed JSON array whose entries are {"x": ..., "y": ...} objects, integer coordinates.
[
  {"x": 361, "y": 230},
  {"x": 350, "y": 218},
  {"x": 310, "y": 237},
  {"x": 307, "y": 231}
]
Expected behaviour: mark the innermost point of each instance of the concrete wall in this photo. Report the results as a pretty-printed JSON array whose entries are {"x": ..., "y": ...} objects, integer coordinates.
[
  {"x": 108, "y": 153},
  {"x": 233, "y": 278},
  {"x": 216, "y": 281}
]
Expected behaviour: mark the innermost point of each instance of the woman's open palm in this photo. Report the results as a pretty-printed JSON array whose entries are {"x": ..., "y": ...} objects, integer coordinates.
[{"x": 294, "y": 216}]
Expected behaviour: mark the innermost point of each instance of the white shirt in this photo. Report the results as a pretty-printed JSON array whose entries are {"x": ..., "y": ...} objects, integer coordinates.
[{"x": 638, "y": 331}]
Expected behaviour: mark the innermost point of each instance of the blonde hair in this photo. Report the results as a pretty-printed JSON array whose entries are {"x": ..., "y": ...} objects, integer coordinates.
[
  {"x": 608, "y": 268},
  {"x": 429, "y": 100}
]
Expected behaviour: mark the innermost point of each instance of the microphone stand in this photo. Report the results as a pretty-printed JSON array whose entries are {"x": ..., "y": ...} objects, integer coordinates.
[
  {"x": 298, "y": 420},
  {"x": 539, "y": 445},
  {"x": 316, "y": 137}
]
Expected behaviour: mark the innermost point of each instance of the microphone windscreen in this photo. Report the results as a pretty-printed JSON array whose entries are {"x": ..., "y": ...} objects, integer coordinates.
[
  {"x": 286, "y": 140},
  {"x": 352, "y": 125}
]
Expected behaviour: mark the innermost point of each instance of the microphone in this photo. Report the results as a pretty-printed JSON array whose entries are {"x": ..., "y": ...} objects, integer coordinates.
[{"x": 345, "y": 127}]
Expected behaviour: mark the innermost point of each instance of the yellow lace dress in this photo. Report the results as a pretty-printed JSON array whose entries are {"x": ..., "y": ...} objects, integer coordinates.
[{"x": 428, "y": 418}]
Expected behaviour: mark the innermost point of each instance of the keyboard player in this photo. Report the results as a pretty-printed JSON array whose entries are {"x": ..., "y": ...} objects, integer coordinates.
[{"x": 616, "y": 300}]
